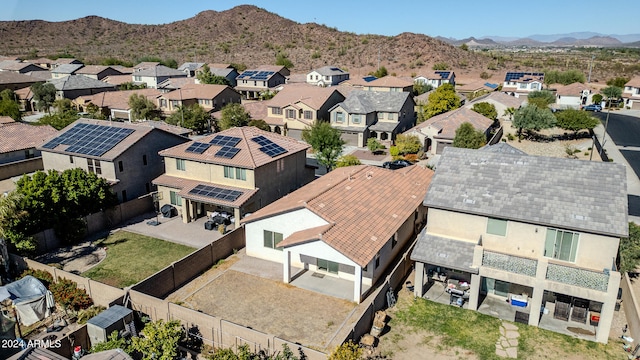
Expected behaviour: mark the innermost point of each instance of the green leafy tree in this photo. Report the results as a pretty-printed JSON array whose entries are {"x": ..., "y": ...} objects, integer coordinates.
[
  {"x": 575, "y": 120},
  {"x": 381, "y": 72},
  {"x": 408, "y": 144},
  {"x": 282, "y": 59},
  {"x": 541, "y": 98},
  {"x": 597, "y": 98},
  {"x": 114, "y": 342},
  {"x": 44, "y": 94},
  {"x": 464, "y": 47},
  {"x": 441, "y": 100},
  {"x": 347, "y": 160},
  {"x": 374, "y": 145},
  {"x": 420, "y": 88},
  {"x": 630, "y": 249},
  {"x": 618, "y": 81},
  {"x": 233, "y": 115},
  {"x": 486, "y": 109},
  {"x": 325, "y": 141},
  {"x": 94, "y": 112},
  {"x": 9, "y": 105},
  {"x": 193, "y": 117},
  {"x": 245, "y": 353},
  {"x": 142, "y": 108},
  {"x": 131, "y": 86},
  {"x": 563, "y": 77},
  {"x": 67, "y": 294},
  {"x": 240, "y": 67},
  {"x": 260, "y": 124},
  {"x": 532, "y": 118},
  {"x": 347, "y": 351},
  {"x": 159, "y": 341},
  {"x": 205, "y": 76},
  {"x": 468, "y": 137},
  {"x": 59, "y": 120},
  {"x": 611, "y": 93}
]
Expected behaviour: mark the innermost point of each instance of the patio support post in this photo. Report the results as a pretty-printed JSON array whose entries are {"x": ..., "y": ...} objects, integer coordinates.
[
  {"x": 286, "y": 263},
  {"x": 608, "y": 308},
  {"x": 474, "y": 296},
  {"x": 187, "y": 214},
  {"x": 357, "y": 285},
  {"x": 419, "y": 281},
  {"x": 538, "y": 292},
  {"x": 236, "y": 216}
]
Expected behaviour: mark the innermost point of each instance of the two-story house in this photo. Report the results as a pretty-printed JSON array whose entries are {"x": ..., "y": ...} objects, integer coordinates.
[
  {"x": 436, "y": 78},
  {"x": 572, "y": 96},
  {"x": 124, "y": 154},
  {"x": 297, "y": 106},
  {"x": 438, "y": 132},
  {"x": 631, "y": 93},
  {"x": 348, "y": 224},
  {"x": 238, "y": 170},
  {"x": 327, "y": 76},
  {"x": 250, "y": 83},
  {"x": 390, "y": 84},
  {"x": 522, "y": 83},
  {"x": 154, "y": 75},
  {"x": 15, "y": 81},
  {"x": 65, "y": 70},
  {"x": 18, "y": 153},
  {"x": 19, "y": 67},
  {"x": 377, "y": 114},
  {"x": 98, "y": 72},
  {"x": 72, "y": 86},
  {"x": 539, "y": 232},
  {"x": 210, "y": 97}
]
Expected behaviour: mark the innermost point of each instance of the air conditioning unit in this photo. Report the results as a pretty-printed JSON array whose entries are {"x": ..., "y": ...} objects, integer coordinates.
[{"x": 586, "y": 92}]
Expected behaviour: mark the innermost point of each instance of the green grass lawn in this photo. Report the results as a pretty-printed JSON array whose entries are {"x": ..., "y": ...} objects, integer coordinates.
[
  {"x": 132, "y": 258},
  {"x": 478, "y": 333}
]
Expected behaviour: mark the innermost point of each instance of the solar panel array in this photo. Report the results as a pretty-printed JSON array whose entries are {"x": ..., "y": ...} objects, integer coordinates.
[
  {"x": 256, "y": 75},
  {"x": 490, "y": 85},
  {"x": 269, "y": 147},
  {"x": 90, "y": 139},
  {"x": 518, "y": 75},
  {"x": 224, "y": 140},
  {"x": 443, "y": 74},
  {"x": 216, "y": 192},
  {"x": 198, "y": 147},
  {"x": 227, "y": 152}
]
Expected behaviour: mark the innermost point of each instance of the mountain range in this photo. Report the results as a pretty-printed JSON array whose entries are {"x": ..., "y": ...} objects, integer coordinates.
[{"x": 585, "y": 38}]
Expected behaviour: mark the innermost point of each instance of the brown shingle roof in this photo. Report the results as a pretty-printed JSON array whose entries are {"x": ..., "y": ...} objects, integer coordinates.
[
  {"x": 196, "y": 91},
  {"x": 16, "y": 136},
  {"x": 117, "y": 79},
  {"x": 93, "y": 69},
  {"x": 312, "y": 96},
  {"x": 361, "y": 209},
  {"x": 450, "y": 121},
  {"x": 499, "y": 97},
  {"x": 186, "y": 185},
  {"x": 574, "y": 89},
  {"x": 249, "y": 156},
  {"x": 119, "y": 99},
  {"x": 390, "y": 81},
  {"x": 634, "y": 82},
  {"x": 9, "y": 77}
]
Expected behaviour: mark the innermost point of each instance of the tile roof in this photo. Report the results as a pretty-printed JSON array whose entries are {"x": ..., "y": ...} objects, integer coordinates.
[
  {"x": 567, "y": 193},
  {"x": 186, "y": 185},
  {"x": 449, "y": 122},
  {"x": 330, "y": 71},
  {"x": 16, "y": 136},
  {"x": 440, "y": 251},
  {"x": 574, "y": 89},
  {"x": 219, "y": 66},
  {"x": 119, "y": 99},
  {"x": 196, "y": 91},
  {"x": 634, "y": 82},
  {"x": 176, "y": 83},
  {"x": 258, "y": 109},
  {"x": 62, "y": 61},
  {"x": 11, "y": 65},
  {"x": 25, "y": 93},
  {"x": 249, "y": 156},
  {"x": 224, "y": 72},
  {"x": 76, "y": 82},
  {"x": 363, "y": 211},
  {"x": 67, "y": 68},
  {"x": 365, "y": 102},
  {"x": 145, "y": 65},
  {"x": 9, "y": 77},
  {"x": 117, "y": 79},
  {"x": 473, "y": 86},
  {"x": 159, "y": 70},
  {"x": 499, "y": 97},
  {"x": 138, "y": 133},
  {"x": 436, "y": 75},
  {"x": 312, "y": 96},
  {"x": 391, "y": 81},
  {"x": 503, "y": 147},
  {"x": 94, "y": 69},
  {"x": 39, "y": 75},
  {"x": 174, "y": 129},
  {"x": 191, "y": 66}
]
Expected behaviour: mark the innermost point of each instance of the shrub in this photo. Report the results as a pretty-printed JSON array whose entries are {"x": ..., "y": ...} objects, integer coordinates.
[
  {"x": 411, "y": 157},
  {"x": 86, "y": 314},
  {"x": 394, "y": 151},
  {"x": 41, "y": 275},
  {"x": 69, "y": 296}
]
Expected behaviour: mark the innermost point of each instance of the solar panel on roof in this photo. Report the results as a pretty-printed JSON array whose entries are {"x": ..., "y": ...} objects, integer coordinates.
[
  {"x": 90, "y": 139},
  {"x": 198, "y": 147},
  {"x": 273, "y": 149},
  {"x": 227, "y": 152},
  {"x": 224, "y": 140},
  {"x": 216, "y": 192},
  {"x": 261, "y": 140}
]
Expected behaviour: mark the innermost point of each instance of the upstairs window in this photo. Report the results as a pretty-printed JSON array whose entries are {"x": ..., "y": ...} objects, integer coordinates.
[
  {"x": 497, "y": 227},
  {"x": 181, "y": 164},
  {"x": 339, "y": 117},
  {"x": 561, "y": 245},
  {"x": 291, "y": 114},
  {"x": 308, "y": 115}
]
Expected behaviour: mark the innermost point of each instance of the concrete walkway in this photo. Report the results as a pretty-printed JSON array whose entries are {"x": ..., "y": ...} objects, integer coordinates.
[{"x": 507, "y": 344}]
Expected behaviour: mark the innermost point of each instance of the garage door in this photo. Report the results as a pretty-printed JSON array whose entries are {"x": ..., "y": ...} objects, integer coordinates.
[
  {"x": 635, "y": 105},
  {"x": 441, "y": 147},
  {"x": 351, "y": 138},
  {"x": 295, "y": 133}
]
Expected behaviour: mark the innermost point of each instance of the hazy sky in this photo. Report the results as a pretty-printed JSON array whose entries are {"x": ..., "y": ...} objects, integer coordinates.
[{"x": 458, "y": 19}]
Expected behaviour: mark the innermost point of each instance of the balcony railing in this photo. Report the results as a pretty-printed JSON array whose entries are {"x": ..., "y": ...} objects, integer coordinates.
[
  {"x": 578, "y": 277},
  {"x": 513, "y": 264}
]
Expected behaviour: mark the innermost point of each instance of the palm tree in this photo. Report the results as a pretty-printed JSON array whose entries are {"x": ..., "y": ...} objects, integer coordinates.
[{"x": 509, "y": 112}]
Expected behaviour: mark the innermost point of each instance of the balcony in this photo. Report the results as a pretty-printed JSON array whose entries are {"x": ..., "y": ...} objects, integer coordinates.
[
  {"x": 513, "y": 264},
  {"x": 578, "y": 277}
]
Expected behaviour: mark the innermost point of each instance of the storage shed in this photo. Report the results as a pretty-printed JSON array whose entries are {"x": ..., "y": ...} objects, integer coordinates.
[{"x": 115, "y": 318}]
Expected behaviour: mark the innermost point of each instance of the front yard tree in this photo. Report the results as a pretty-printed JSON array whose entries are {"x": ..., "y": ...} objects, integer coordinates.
[
  {"x": 541, "y": 98},
  {"x": 533, "y": 118},
  {"x": 468, "y": 137},
  {"x": 260, "y": 124},
  {"x": 618, "y": 81},
  {"x": 347, "y": 160},
  {"x": 233, "y": 115},
  {"x": 205, "y": 76},
  {"x": 381, "y": 72},
  {"x": 8, "y": 104},
  {"x": 509, "y": 112},
  {"x": 44, "y": 94},
  {"x": 160, "y": 340},
  {"x": 193, "y": 117},
  {"x": 325, "y": 141},
  {"x": 408, "y": 144},
  {"x": 374, "y": 145},
  {"x": 486, "y": 109},
  {"x": 441, "y": 100},
  {"x": 611, "y": 92},
  {"x": 143, "y": 108},
  {"x": 282, "y": 59},
  {"x": 575, "y": 120},
  {"x": 630, "y": 249}
]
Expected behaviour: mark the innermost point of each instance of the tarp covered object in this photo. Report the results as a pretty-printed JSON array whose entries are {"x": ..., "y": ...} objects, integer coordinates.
[{"x": 30, "y": 298}]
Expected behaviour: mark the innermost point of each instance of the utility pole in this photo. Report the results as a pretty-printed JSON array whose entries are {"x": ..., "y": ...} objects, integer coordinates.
[
  {"x": 378, "y": 60},
  {"x": 590, "y": 68}
]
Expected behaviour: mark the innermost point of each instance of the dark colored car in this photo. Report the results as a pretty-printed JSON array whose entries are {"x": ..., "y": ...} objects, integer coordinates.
[
  {"x": 593, "y": 107},
  {"x": 396, "y": 164}
]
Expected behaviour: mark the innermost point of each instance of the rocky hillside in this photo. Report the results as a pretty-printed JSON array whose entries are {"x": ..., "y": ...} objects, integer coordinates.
[{"x": 244, "y": 34}]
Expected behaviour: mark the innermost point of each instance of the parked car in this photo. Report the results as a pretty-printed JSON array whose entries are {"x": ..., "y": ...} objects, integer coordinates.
[
  {"x": 593, "y": 107},
  {"x": 396, "y": 164}
]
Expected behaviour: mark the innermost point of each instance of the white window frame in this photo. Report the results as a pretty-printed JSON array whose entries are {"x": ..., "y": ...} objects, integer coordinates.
[{"x": 555, "y": 245}]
